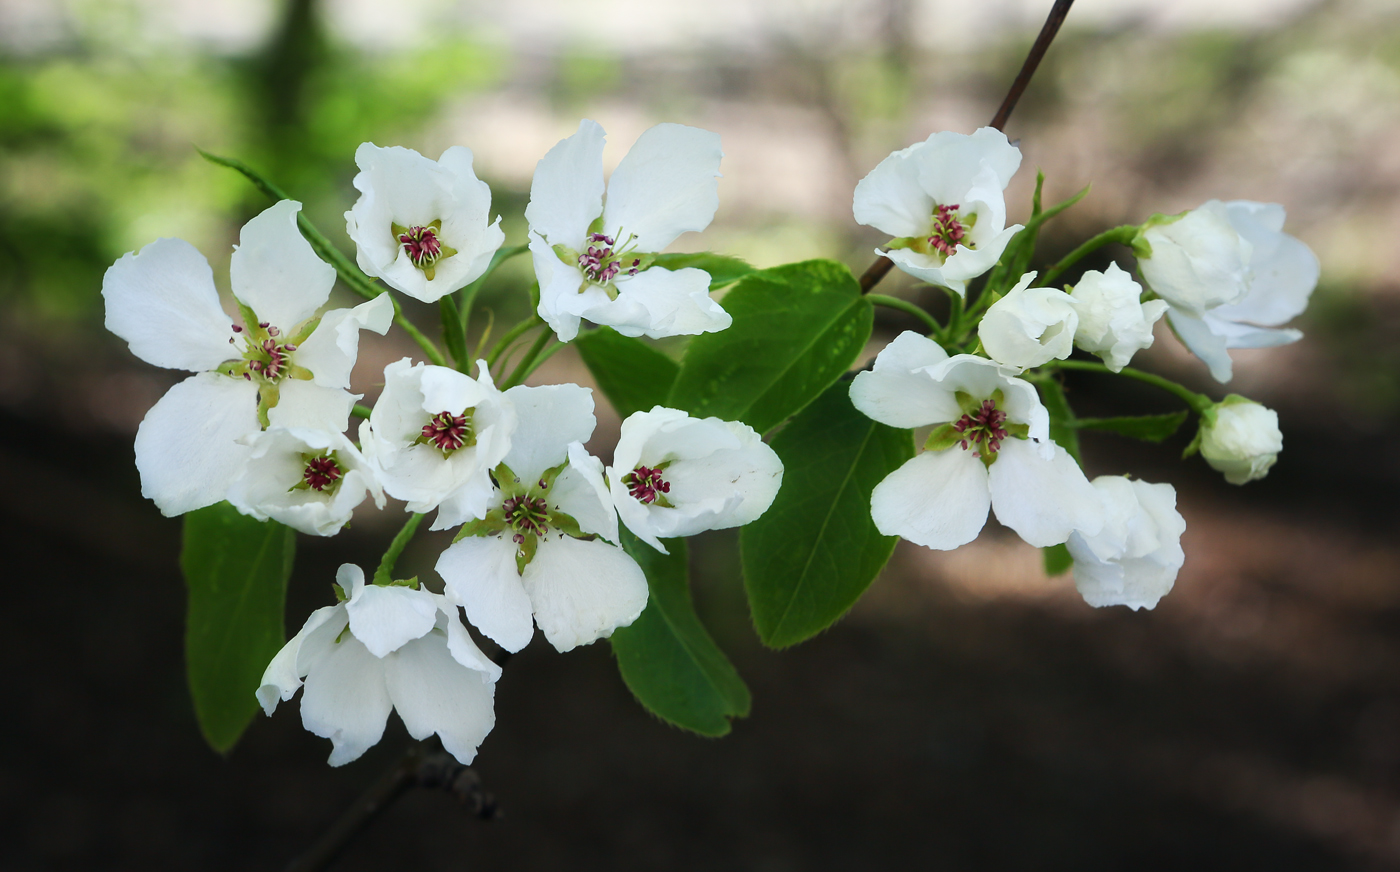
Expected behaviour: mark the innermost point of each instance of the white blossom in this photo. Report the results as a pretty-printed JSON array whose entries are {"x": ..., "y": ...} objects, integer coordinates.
[
  {"x": 544, "y": 553},
  {"x": 1134, "y": 559},
  {"x": 1241, "y": 439},
  {"x": 1232, "y": 277},
  {"x": 280, "y": 367},
  {"x": 423, "y": 226},
  {"x": 1029, "y": 326},
  {"x": 1114, "y": 323},
  {"x": 310, "y": 480},
  {"x": 674, "y": 475},
  {"x": 593, "y": 255},
  {"x": 385, "y": 647},
  {"x": 943, "y": 201},
  {"x": 993, "y": 451},
  {"x": 434, "y": 435}
]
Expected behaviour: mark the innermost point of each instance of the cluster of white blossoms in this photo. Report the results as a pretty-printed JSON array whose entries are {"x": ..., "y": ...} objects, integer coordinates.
[
  {"x": 1225, "y": 275},
  {"x": 264, "y": 422}
]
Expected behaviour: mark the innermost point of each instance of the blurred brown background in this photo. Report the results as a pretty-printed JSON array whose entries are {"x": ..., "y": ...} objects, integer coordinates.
[{"x": 970, "y": 713}]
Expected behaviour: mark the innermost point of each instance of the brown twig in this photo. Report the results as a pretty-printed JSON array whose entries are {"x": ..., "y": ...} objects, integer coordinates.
[{"x": 877, "y": 270}]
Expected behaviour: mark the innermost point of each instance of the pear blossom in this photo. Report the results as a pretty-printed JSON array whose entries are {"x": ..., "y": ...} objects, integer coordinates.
[
  {"x": 310, "y": 480},
  {"x": 943, "y": 201},
  {"x": 385, "y": 647},
  {"x": 545, "y": 551},
  {"x": 1231, "y": 275},
  {"x": 1134, "y": 559},
  {"x": 992, "y": 450},
  {"x": 280, "y": 367},
  {"x": 434, "y": 436},
  {"x": 674, "y": 475},
  {"x": 423, "y": 226},
  {"x": 1029, "y": 326},
  {"x": 1114, "y": 323},
  {"x": 593, "y": 255},
  {"x": 1240, "y": 438}
]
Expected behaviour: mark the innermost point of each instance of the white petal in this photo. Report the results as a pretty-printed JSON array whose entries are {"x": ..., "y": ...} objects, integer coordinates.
[
  {"x": 658, "y": 302},
  {"x": 460, "y": 644},
  {"x": 581, "y": 493},
  {"x": 1203, "y": 342},
  {"x": 897, "y": 393},
  {"x": 163, "y": 303},
  {"x": 346, "y": 700},
  {"x": 1285, "y": 270},
  {"x": 275, "y": 273},
  {"x": 306, "y": 404},
  {"x": 330, "y": 351},
  {"x": 1044, "y": 501},
  {"x": 481, "y": 577},
  {"x": 561, "y": 299},
  {"x": 270, "y": 486},
  {"x": 665, "y": 186},
  {"x": 1029, "y": 326},
  {"x": 433, "y": 693},
  {"x": 566, "y": 193},
  {"x": 583, "y": 590},
  {"x": 950, "y": 162},
  {"x": 190, "y": 448},
  {"x": 724, "y": 488},
  {"x": 937, "y": 499},
  {"x": 980, "y": 378},
  {"x": 890, "y": 198},
  {"x": 550, "y": 417},
  {"x": 387, "y": 618},
  {"x": 282, "y": 678}
]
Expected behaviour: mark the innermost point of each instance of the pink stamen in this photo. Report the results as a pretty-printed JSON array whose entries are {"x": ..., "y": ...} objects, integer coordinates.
[
  {"x": 447, "y": 431},
  {"x": 422, "y": 245},
  {"x": 947, "y": 230},
  {"x": 982, "y": 430},
  {"x": 321, "y": 472},
  {"x": 645, "y": 484},
  {"x": 526, "y": 515}
]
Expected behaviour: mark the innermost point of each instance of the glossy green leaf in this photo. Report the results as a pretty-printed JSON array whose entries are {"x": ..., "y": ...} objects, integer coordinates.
[
  {"x": 236, "y": 572},
  {"x": 1149, "y": 428},
  {"x": 815, "y": 551},
  {"x": 796, "y": 329},
  {"x": 723, "y": 270},
  {"x": 1057, "y": 560},
  {"x": 667, "y": 657},
  {"x": 633, "y": 375},
  {"x": 1063, "y": 424}
]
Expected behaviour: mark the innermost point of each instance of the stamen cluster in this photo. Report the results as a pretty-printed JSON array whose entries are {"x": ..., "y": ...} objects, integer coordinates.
[
  {"x": 422, "y": 245},
  {"x": 983, "y": 429},
  {"x": 526, "y": 515},
  {"x": 600, "y": 264},
  {"x": 447, "y": 431},
  {"x": 645, "y": 484},
  {"x": 321, "y": 472},
  {"x": 947, "y": 230},
  {"x": 267, "y": 359}
]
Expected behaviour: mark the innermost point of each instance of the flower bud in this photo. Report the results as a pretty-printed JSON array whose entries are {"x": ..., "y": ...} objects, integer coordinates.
[
  {"x": 1114, "y": 323},
  {"x": 1195, "y": 261},
  {"x": 1240, "y": 438},
  {"x": 1029, "y": 326}
]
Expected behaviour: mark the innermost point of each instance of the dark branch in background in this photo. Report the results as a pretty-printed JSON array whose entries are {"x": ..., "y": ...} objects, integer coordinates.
[{"x": 877, "y": 270}]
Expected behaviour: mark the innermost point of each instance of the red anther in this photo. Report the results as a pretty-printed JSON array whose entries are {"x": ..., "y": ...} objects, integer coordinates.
[
  {"x": 321, "y": 472},
  {"x": 947, "y": 230},
  {"x": 447, "y": 431},
  {"x": 645, "y": 484}
]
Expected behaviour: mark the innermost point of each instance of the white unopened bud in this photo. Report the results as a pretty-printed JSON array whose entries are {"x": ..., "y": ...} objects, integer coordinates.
[{"x": 1241, "y": 439}]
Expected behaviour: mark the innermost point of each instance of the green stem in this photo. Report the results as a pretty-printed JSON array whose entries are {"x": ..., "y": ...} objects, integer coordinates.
[
  {"x": 934, "y": 328},
  {"x": 361, "y": 411},
  {"x": 423, "y": 341},
  {"x": 512, "y": 334},
  {"x": 385, "y": 573},
  {"x": 1122, "y": 234},
  {"x": 468, "y": 294},
  {"x": 525, "y": 367},
  {"x": 1199, "y": 403}
]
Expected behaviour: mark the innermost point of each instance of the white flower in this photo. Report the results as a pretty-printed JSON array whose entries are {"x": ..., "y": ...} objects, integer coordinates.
[
  {"x": 1029, "y": 326},
  {"x": 435, "y": 435},
  {"x": 593, "y": 258},
  {"x": 1134, "y": 559},
  {"x": 993, "y": 451},
  {"x": 1114, "y": 323},
  {"x": 280, "y": 367},
  {"x": 1232, "y": 277},
  {"x": 423, "y": 226},
  {"x": 942, "y": 199},
  {"x": 674, "y": 475},
  {"x": 405, "y": 650},
  {"x": 544, "y": 550},
  {"x": 1241, "y": 439},
  {"x": 310, "y": 480}
]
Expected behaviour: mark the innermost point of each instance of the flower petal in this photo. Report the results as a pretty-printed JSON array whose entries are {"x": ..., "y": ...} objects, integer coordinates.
[
  {"x": 1196, "y": 334},
  {"x": 566, "y": 193},
  {"x": 387, "y": 618},
  {"x": 950, "y": 163},
  {"x": 580, "y": 492},
  {"x": 1285, "y": 270},
  {"x": 583, "y": 590},
  {"x": 282, "y": 678},
  {"x": 1044, "y": 501},
  {"x": 163, "y": 303},
  {"x": 346, "y": 700},
  {"x": 890, "y": 199},
  {"x": 665, "y": 186},
  {"x": 330, "y": 351},
  {"x": 481, "y": 577},
  {"x": 275, "y": 273},
  {"x": 550, "y": 417},
  {"x": 307, "y": 404},
  {"x": 896, "y": 393},
  {"x": 937, "y": 499},
  {"x": 433, "y": 693},
  {"x": 659, "y": 302}
]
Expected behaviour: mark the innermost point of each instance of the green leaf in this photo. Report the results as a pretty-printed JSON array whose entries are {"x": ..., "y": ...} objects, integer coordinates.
[
  {"x": 1057, "y": 560},
  {"x": 723, "y": 270},
  {"x": 666, "y": 656},
  {"x": 236, "y": 572},
  {"x": 452, "y": 335},
  {"x": 1149, "y": 428},
  {"x": 796, "y": 329},
  {"x": 815, "y": 551},
  {"x": 1062, "y": 420},
  {"x": 634, "y": 376}
]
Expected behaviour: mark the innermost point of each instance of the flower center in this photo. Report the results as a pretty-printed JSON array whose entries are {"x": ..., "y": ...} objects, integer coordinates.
[
  {"x": 321, "y": 473},
  {"x": 601, "y": 263},
  {"x": 982, "y": 430},
  {"x": 268, "y": 359},
  {"x": 422, "y": 245},
  {"x": 449, "y": 432},
  {"x": 947, "y": 230},
  {"x": 526, "y": 515},
  {"x": 646, "y": 485}
]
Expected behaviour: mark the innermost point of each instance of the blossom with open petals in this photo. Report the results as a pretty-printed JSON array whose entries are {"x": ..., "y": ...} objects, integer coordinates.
[
  {"x": 992, "y": 450},
  {"x": 385, "y": 647},
  {"x": 1240, "y": 438},
  {"x": 1029, "y": 326},
  {"x": 310, "y": 480},
  {"x": 1134, "y": 559},
  {"x": 1114, "y": 322},
  {"x": 1231, "y": 275},
  {"x": 593, "y": 255},
  {"x": 423, "y": 226},
  {"x": 674, "y": 475},
  {"x": 544, "y": 553},
  {"x": 280, "y": 367},
  {"x": 435, "y": 435},
  {"x": 942, "y": 199}
]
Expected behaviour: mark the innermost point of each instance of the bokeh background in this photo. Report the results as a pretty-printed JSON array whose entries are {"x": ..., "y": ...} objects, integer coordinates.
[{"x": 970, "y": 713}]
